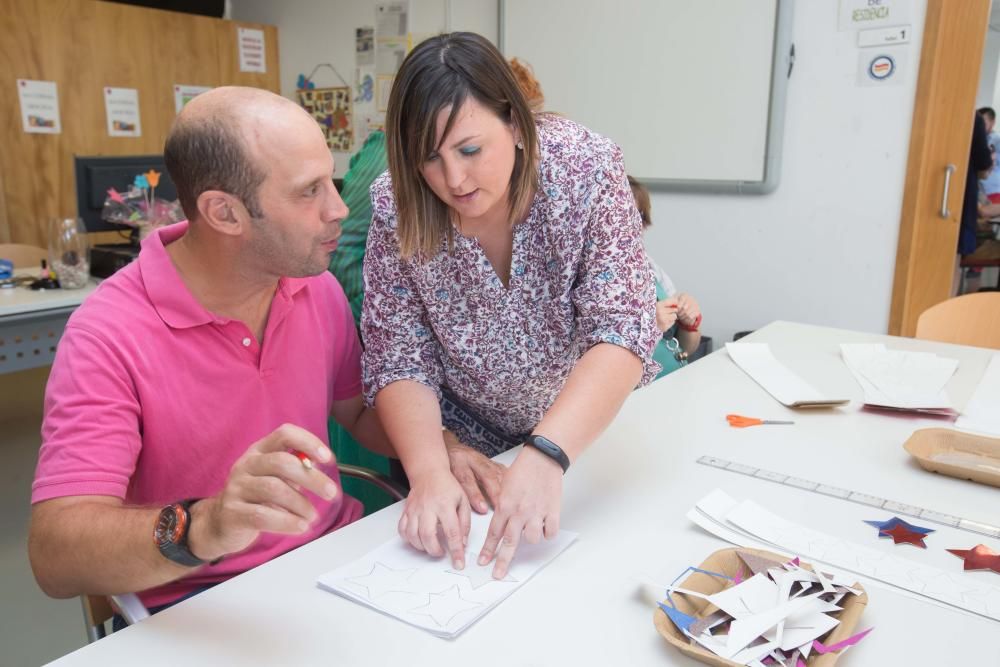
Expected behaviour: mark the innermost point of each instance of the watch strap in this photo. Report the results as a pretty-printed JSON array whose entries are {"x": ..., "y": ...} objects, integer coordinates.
[{"x": 550, "y": 449}]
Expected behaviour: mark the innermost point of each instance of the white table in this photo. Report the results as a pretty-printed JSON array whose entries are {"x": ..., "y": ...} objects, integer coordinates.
[
  {"x": 32, "y": 321},
  {"x": 627, "y": 498}
]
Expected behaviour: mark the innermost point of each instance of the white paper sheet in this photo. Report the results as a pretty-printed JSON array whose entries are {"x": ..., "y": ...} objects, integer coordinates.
[
  {"x": 982, "y": 414},
  {"x": 39, "y": 106},
  {"x": 427, "y": 592},
  {"x": 742, "y": 520},
  {"x": 121, "y": 106},
  {"x": 899, "y": 379},
  {"x": 757, "y": 361}
]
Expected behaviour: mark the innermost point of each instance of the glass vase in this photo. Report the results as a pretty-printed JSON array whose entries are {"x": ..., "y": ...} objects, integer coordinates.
[{"x": 69, "y": 252}]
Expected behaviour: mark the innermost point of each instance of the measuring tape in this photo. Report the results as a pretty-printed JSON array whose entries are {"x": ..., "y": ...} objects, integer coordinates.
[{"x": 853, "y": 496}]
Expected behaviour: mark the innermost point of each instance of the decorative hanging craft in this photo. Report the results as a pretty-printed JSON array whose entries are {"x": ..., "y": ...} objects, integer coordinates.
[{"x": 331, "y": 107}]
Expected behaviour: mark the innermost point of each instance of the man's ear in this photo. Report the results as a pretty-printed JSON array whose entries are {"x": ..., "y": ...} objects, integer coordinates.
[{"x": 222, "y": 212}]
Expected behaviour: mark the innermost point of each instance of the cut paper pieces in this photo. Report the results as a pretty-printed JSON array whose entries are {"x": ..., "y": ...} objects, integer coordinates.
[
  {"x": 901, "y": 535},
  {"x": 980, "y": 557},
  {"x": 833, "y": 648},
  {"x": 749, "y": 525},
  {"x": 757, "y": 361},
  {"x": 429, "y": 593},
  {"x": 896, "y": 521},
  {"x": 759, "y": 620},
  {"x": 901, "y": 380},
  {"x": 901, "y": 531}
]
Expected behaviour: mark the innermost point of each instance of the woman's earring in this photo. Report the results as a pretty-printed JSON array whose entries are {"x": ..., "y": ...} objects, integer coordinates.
[{"x": 520, "y": 145}]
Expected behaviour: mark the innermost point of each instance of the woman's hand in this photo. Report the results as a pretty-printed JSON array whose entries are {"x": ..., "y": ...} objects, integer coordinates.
[
  {"x": 666, "y": 313},
  {"x": 529, "y": 503},
  {"x": 437, "y": 500},
  {"x": 688, "y": 310},
  {"x": 477, "y": 474}
]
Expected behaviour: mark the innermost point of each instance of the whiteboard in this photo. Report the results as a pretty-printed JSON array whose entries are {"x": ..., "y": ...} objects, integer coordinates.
[{"x": 692, "y": 90}]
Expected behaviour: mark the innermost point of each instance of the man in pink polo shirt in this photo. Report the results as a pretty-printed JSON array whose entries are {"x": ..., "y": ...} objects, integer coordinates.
[{"x": 189, "y": 396}]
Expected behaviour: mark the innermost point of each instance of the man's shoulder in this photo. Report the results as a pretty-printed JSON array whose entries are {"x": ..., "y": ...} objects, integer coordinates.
[{"x": 118, "y": 302}]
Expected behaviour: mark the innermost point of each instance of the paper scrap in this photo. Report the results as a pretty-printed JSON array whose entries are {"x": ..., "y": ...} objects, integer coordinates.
[{"x": 757, "y": 361}]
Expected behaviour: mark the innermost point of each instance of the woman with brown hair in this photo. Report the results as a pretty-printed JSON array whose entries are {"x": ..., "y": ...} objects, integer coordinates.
[{"x": 507, "y": 299}]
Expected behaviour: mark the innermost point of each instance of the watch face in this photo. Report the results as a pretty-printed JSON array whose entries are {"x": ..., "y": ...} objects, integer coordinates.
[{"x": 170, "y": 525}]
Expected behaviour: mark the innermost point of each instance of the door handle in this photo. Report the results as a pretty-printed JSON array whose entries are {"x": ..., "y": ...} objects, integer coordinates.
[{"x": 948, "y": 171}]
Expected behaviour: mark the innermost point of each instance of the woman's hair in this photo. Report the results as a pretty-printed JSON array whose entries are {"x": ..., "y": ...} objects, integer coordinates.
[
  {"x": 528, "y": 84},
  {"x": 443, "y": 72},
  {"x": 641, "y": 195}
]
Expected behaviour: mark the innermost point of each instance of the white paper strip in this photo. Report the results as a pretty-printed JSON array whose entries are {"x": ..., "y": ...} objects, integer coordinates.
[{"x": 757, "y": 361}]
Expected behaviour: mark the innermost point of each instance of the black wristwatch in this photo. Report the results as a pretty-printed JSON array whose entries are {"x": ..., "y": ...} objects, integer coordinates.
[
  {"x": 171, "y": 534},
  {"x": 550, "y": 449}
]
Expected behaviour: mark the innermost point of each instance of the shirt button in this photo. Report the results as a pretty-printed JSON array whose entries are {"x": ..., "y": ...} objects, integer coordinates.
[{"x": 246, "y": 342}]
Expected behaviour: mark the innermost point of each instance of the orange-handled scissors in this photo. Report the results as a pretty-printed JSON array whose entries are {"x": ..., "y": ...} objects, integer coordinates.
[{"x": 739, "y": 421}]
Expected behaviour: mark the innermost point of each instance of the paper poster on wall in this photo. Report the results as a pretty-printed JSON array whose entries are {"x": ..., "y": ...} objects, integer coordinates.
[
  {"x": 866, "y": 14},
  {"x": 364, "y": 46},
  {"x": 364, "y": 87},
  {"x": 121, "y": 105},
  {"x": 389, "y": 55},
  {"x": 383, "y": 84},
  {"x": 391, "y": 19},
  {"x": 882, "y": 67},
  {"x": 251, "y": 47},
  {"x": 39, "y": 106},
  {"x": 331, "y": 107},
  {"x": 184, "y": 94}
]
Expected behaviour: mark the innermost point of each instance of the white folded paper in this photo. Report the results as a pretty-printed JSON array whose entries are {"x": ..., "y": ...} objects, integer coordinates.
[{"x": 757, "y": 361}]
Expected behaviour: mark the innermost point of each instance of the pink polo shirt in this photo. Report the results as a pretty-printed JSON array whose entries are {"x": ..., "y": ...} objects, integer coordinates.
[{"x": 152, "y": 398}]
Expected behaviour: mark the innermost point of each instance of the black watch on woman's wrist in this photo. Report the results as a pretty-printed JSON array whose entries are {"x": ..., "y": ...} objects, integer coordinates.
[{"x": 550, "y": 449}]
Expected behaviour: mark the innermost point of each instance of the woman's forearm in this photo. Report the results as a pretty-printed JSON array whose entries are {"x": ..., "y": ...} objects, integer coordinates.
[{"x": 594, "y": 392}]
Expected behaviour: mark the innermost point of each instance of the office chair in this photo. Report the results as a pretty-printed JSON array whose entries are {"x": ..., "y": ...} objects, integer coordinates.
[
  {"x": 970, "y": 319},
  {"x": 99, "y": 609}
]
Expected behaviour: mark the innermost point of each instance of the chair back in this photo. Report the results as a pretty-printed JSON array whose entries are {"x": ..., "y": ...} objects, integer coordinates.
[
  {"x": 971, "y": 319},
  {"x": 22, "y": 255}
]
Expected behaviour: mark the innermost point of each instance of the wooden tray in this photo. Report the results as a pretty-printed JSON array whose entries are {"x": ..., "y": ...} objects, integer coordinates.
[
  {"x": 725, "y": 561},
  {"x": 957, "y": 454}
]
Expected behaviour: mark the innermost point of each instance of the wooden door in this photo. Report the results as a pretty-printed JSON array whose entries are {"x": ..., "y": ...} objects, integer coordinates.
[{"x": 952, "y": 52}]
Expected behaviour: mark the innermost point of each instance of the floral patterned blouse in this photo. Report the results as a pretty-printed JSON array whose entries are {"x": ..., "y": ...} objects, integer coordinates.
[{"x": 579, "y": 276}]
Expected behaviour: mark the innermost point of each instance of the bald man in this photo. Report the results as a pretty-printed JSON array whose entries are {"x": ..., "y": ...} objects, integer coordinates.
[{"x": 185, "y": 431}]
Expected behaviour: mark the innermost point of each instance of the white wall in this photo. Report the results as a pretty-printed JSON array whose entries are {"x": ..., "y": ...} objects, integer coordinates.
[
  {"x": 986, "y": 94},
  {"x": 311, "y": 32},
  {"x": 821, "y": 249}
]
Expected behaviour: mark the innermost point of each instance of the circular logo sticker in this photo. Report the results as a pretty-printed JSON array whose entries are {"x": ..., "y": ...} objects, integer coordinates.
[{"x": 881, "y": 68}]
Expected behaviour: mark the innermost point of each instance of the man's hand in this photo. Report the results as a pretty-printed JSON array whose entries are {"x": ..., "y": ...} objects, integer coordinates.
[
  {"x": 265, "y": 493},
  {"x": 477, "y": 474},
  {"x": 436, "y": 499}
]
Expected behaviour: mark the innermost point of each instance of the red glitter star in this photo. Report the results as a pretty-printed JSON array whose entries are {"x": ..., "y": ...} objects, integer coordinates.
[
  {"x": 903, "y": 535},
  {"x": 980, "y": 557}
]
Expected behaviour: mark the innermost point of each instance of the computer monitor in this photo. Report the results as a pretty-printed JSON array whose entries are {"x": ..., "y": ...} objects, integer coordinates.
[{"x": 94, "y": 175}]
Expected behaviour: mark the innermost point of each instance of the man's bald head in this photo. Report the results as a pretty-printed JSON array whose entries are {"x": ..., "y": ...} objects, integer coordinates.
[{"x": 212, "y": 144}]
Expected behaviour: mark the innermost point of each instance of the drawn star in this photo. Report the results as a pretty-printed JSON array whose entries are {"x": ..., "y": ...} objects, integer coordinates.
[
  {"x": 382, "y": 579},
  {"x": 443, "y": 607},
  {"x": 884, "y": 526},
  {"x": 901, "y": 535},
  {"x": 979, "y": 557},
  {"x": 479, "y": 575}
]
